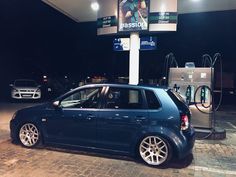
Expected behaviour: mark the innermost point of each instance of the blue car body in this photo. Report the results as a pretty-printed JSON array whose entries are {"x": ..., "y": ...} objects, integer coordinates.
[{"x": 117, "y": 130}]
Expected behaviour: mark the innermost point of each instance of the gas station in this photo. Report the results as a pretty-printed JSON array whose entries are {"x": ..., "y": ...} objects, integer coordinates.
[
  {"x": 151, "y": 17},
  {"x": 131, "y": 29}
]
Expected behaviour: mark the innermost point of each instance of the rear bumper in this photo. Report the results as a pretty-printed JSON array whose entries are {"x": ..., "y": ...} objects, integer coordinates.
[{"x": 187, "y": 143}]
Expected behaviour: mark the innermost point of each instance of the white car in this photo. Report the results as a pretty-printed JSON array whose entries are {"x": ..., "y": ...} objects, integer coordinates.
[{"x": 25, "y": 89}]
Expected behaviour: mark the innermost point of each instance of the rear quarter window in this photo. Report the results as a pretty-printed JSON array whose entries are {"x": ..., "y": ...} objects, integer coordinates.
[
  {"x": 152, "y": 101},
  {"x": 178, "y": 99}
]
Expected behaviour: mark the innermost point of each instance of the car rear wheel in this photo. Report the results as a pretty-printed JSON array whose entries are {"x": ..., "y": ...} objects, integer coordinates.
[
  {"x": 29, "y": 135},
  {"x": 155, "y": 150}
]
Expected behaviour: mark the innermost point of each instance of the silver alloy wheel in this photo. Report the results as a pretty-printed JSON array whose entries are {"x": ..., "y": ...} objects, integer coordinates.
[
  {"x": 153, "y": 150},
  {"x": 29, "y": 135}
]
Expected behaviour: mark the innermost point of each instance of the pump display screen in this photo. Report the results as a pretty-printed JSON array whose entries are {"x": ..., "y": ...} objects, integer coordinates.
[{"x": 133, "y": 15}]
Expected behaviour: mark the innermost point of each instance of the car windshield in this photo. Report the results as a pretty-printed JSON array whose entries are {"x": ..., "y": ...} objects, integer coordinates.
[{"x": 25, "y": 83}]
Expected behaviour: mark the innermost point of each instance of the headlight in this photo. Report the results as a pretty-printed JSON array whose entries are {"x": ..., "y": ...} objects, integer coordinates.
[
  {"x": 38, "y": 90},
  {"x": 14, "y": 90}
]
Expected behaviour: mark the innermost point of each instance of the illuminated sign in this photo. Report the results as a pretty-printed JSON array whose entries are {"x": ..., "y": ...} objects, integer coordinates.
[
  {"x": 143, "y": 16},
  {"x": 133, "y": 15},
  {"x": 146, "y": 43},
  {"x": 121, "y": 44},
  {"x": 106, "y": 22},
  {"x": 163, "y": 17}
]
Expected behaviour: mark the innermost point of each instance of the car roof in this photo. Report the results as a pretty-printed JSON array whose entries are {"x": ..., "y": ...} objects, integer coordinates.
[
  {"x": 112, "y": 85},
  {"x": 125, "y": 85}
]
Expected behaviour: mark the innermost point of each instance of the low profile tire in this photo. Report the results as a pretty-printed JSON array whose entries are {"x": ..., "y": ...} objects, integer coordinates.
[
  {"x": 155, "y": 151},
  {"x": 29, "y": 135}
]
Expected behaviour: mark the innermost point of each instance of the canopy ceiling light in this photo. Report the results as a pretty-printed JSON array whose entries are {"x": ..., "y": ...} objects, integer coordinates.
[{"x": 95, "y": 6}]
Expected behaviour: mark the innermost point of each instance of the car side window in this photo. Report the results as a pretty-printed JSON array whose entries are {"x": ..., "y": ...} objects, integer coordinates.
[
  {"x": 152, "y": 100},
  {"x": 124, "y": 98},
  {"x": 85, "y": 98}
]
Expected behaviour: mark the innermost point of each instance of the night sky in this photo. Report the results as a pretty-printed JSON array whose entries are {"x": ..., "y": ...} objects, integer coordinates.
[{"x": 35, "y": 38}]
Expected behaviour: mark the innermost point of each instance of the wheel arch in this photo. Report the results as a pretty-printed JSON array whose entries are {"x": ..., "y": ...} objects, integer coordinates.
[
  {"x": 167, "y": 135},
  {"x": 31, "y": 121}
]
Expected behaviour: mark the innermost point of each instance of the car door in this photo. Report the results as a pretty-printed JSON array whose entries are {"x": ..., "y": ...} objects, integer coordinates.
[
  {"x": 74, "y": 120},
  {"x": 121, "y": 118}
]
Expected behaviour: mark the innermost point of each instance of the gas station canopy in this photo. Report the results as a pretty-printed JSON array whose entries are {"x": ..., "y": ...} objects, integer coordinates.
[{"x": 80, "y": 10}]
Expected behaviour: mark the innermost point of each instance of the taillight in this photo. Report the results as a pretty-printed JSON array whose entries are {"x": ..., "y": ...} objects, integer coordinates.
[{"x": 184, "y": 122}]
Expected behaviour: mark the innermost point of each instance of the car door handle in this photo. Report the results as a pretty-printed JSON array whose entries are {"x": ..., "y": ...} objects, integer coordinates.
[
  {"x": 90, "y": 117},
  {"x": 141, "y": 118},
  {"x": 79, "y": 116}
]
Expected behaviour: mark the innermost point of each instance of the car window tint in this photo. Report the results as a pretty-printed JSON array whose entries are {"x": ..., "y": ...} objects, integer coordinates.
[
  {"x": 152, "y": 100},
  {"x": 86, "y": 98},
  {"x": 124, "y": 98}
]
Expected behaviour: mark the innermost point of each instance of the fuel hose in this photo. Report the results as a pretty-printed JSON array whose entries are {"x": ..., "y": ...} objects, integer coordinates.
[{"x": 202, "y": 104}]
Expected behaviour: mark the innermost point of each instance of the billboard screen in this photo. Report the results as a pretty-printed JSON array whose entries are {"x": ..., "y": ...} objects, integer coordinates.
[{"x": 133, "y": 15}]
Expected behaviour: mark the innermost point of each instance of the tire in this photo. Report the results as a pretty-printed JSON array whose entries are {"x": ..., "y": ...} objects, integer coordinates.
[
  {"x": 155, "y": 151},
  {"x": 29, "y": 135}
]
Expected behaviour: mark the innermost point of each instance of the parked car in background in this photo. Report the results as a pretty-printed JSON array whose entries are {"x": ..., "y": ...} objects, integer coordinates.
[
  {"x": 150, "y": 122},
  {"x": 25, "y": 89}
]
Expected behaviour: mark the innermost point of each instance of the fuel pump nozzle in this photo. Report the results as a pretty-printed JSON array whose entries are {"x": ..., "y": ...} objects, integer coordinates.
[
  {"x": 203, "y": 94},
  {"x": 188, "y": 94}
]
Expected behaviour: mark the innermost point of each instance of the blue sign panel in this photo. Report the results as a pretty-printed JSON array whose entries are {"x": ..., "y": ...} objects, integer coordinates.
[
  {"x": 148, "y": 43},
  {"x": 121, "y": 44}
]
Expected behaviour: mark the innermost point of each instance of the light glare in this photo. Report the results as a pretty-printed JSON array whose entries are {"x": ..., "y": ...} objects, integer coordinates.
[{"x": 95, "y": 6}]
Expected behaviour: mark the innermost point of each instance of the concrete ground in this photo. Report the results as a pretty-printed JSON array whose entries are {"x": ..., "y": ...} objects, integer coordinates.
[{"x": 210, "y": 157}]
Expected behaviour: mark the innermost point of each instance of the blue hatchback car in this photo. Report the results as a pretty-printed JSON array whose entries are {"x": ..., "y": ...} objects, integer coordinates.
[{"x": 151, "y": 122}]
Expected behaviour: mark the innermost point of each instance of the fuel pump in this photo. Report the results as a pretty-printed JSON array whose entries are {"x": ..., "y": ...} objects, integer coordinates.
[{"x": 196, "y": 84}]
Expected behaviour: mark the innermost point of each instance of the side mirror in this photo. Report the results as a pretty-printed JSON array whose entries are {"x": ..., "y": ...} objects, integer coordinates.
[
  {"x": 11, "y": 85},
  {"x": 56, "y": 104}
]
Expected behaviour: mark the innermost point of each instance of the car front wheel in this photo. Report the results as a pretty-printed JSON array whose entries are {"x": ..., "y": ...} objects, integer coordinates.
[
  {"x": 29, "y": 135},
  {"x": 155, "y": 151}
]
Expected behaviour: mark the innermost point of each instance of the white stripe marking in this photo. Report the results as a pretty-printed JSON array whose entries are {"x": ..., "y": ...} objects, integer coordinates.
[
  {"x": 213, "y": 170},
  {"x": 232, "y": 125}
]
